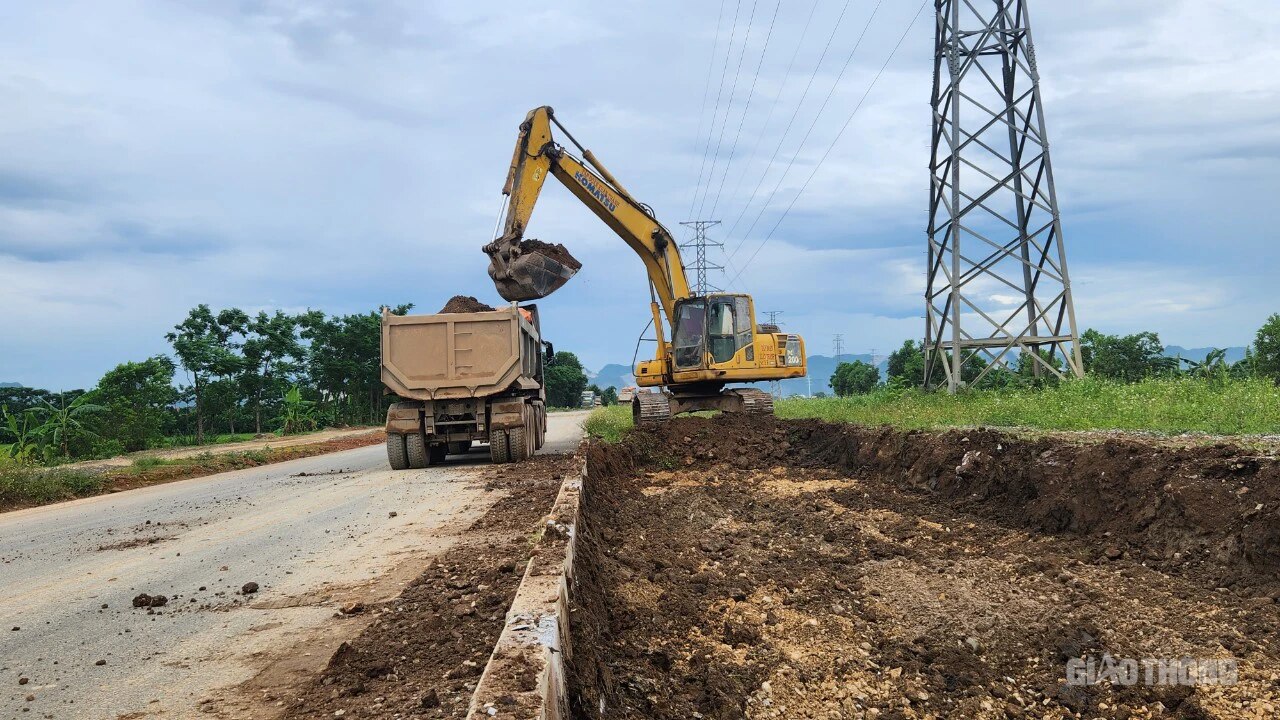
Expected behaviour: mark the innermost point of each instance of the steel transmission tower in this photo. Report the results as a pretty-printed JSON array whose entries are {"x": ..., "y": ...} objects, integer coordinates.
[
  {"x": 998, "y": 289},
  {"x": 700, "y": 243}
]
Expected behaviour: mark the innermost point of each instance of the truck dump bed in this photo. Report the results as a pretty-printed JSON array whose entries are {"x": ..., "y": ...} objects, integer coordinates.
[{"x": 460, "y": 355}]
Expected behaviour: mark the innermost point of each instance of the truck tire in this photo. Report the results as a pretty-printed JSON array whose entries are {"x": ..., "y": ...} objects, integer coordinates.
[
  {"x": 396, "y": 452},
  {"x": 498, "y": 446},
  {"x": 436, "y": 453},
  {"x": 416, "y": 449},
  {"x": 518, "y": 444},
  {"x": 460, "y": 447}
]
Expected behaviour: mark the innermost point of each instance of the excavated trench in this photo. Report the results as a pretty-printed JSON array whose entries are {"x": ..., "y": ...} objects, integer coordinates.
[{"x": 732, "y": 568}]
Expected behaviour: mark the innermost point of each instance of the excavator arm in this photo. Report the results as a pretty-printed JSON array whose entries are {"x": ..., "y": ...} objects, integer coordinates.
[{"x": 528, "y": 270}]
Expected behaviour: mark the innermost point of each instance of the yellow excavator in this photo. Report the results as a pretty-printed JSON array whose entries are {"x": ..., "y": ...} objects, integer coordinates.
[{"x": 715, "y": 341}]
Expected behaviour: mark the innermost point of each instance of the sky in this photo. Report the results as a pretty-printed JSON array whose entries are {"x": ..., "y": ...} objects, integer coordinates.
[{"x": 340, "y": 156}]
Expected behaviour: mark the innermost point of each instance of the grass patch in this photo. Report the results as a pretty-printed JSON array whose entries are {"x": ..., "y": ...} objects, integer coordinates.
[
  {"x": 23, "y": 485},
  {"x": 1159, "y": 405},
  {"x": 176, "y": 441},
  {"x": 608, "y": 423},
  {"x": 1168, "y": 406}
]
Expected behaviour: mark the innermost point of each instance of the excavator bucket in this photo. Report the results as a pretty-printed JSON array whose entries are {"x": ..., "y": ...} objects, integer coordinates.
[{"x": 529, "y": 269}]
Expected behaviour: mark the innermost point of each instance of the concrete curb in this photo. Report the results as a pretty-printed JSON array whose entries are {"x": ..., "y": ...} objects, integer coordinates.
[{"x": 525, "y": 675}]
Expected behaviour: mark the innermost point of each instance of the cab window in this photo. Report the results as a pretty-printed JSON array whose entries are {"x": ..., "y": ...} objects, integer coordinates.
[
  {"x": 689, "y": 340},
  {"x": 721, "y": 330}
]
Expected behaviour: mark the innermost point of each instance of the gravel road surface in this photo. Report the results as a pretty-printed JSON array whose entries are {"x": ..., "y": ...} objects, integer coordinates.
[{"x": 312, "y": 534}]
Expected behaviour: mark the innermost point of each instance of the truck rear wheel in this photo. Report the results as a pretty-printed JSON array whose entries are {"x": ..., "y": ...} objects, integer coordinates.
[
  {"x": 416, "y": 449},
  {"x": 498, "y": 446},
  {"x": 517, "y": 444},
  {"x": 396, "y": 452}
]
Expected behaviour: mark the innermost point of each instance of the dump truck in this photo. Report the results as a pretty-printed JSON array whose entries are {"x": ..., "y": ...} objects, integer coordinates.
[{"x": 464, "y": 378}]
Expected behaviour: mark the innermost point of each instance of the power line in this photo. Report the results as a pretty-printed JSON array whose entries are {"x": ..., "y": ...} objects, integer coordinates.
[
  {"x": 773, "y": 317},
  {"x": 776, "y": 96},
  {"x": 794, "y": 113},
  {"x": 848, "y": 60},
  {"x": 706, "y": 149},
  {"x": 834, "y": 140},
  {"x": 838, "y": 341},
  {"x": 746, "y": 107},
  {"x": 711, "y": 65},
  {"x": 733, "y": 91}
]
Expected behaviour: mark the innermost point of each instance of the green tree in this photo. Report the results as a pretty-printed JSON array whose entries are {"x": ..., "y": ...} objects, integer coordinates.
[
  {"x": 64, "y": 429},
  {"x": 343, "y": 366},
  {"x": 19, "y": 429},
  {"x": 272, "y": 355},
  {"x": 296, "y": 413},
  {"x": 1266, "y": 349},
  {"x": 1128, "y": 358},
  {"x": 855, "y": 378},
  {"x": 565, "y": 380},
  {"x": 609, "y": 396},
  {"x": 906, "y": 365},
  {"x": 136, "y": 398},
  {"x": 203, "y": 344}
]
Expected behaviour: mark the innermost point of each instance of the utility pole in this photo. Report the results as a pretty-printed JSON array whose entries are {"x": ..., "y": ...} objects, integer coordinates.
[
  {"x": 839, "y": 343},
  {"x": 700, "y": 243},
  {"x": 773, "y": 317},
  {"x": 999, "y": 228}
]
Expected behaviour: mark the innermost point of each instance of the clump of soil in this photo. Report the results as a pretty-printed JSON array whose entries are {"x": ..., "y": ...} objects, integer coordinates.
[
  {"x": 464, "y": 304},
  {"x": 556, "y": 252},
  {"x": 737, "y": 567},
  {"x": 143, "y": 600},
  {"x": 134, "y": 543},
  {"x": 423, "y": 655}
]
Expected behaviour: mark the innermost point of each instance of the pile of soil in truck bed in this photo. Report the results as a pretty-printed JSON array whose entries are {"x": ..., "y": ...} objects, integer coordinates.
[
  {"x": 756, "y": 568},
  {"x": 464, "y": 304}
]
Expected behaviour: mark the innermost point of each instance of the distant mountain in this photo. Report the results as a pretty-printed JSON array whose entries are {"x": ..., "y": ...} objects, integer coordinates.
[
  {"x": 1234, "y": 354},
  {"x": 619, "y": 376},
  {"x": 10, "y": 385}
]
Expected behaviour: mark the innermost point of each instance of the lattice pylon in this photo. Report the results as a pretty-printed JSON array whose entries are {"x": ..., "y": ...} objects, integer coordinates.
[{"x": 998, "y": 291}]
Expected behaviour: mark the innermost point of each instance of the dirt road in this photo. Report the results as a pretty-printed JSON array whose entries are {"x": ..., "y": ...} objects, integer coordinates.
[{"x": 312, "y": 534}]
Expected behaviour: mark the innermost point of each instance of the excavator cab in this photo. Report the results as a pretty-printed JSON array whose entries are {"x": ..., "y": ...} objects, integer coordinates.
[{"x": 711, "y": 331}]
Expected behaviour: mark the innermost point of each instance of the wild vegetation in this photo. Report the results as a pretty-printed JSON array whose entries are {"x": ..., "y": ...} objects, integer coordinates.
[
  {"x": 1130, "y": 385},
  {"x": 236, "y": 375}
]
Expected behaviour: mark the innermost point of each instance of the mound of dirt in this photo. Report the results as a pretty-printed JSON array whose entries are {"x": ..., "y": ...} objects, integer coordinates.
[
  {"x": 556, "y": 252},
  {"x": 752, "y": 568},
  {"x": 464, "y": 304}
]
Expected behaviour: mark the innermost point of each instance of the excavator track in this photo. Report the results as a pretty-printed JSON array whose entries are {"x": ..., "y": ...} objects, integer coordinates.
[
  {"x": 650, "y": 408},
  {"x": 756, "y": 402}
]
